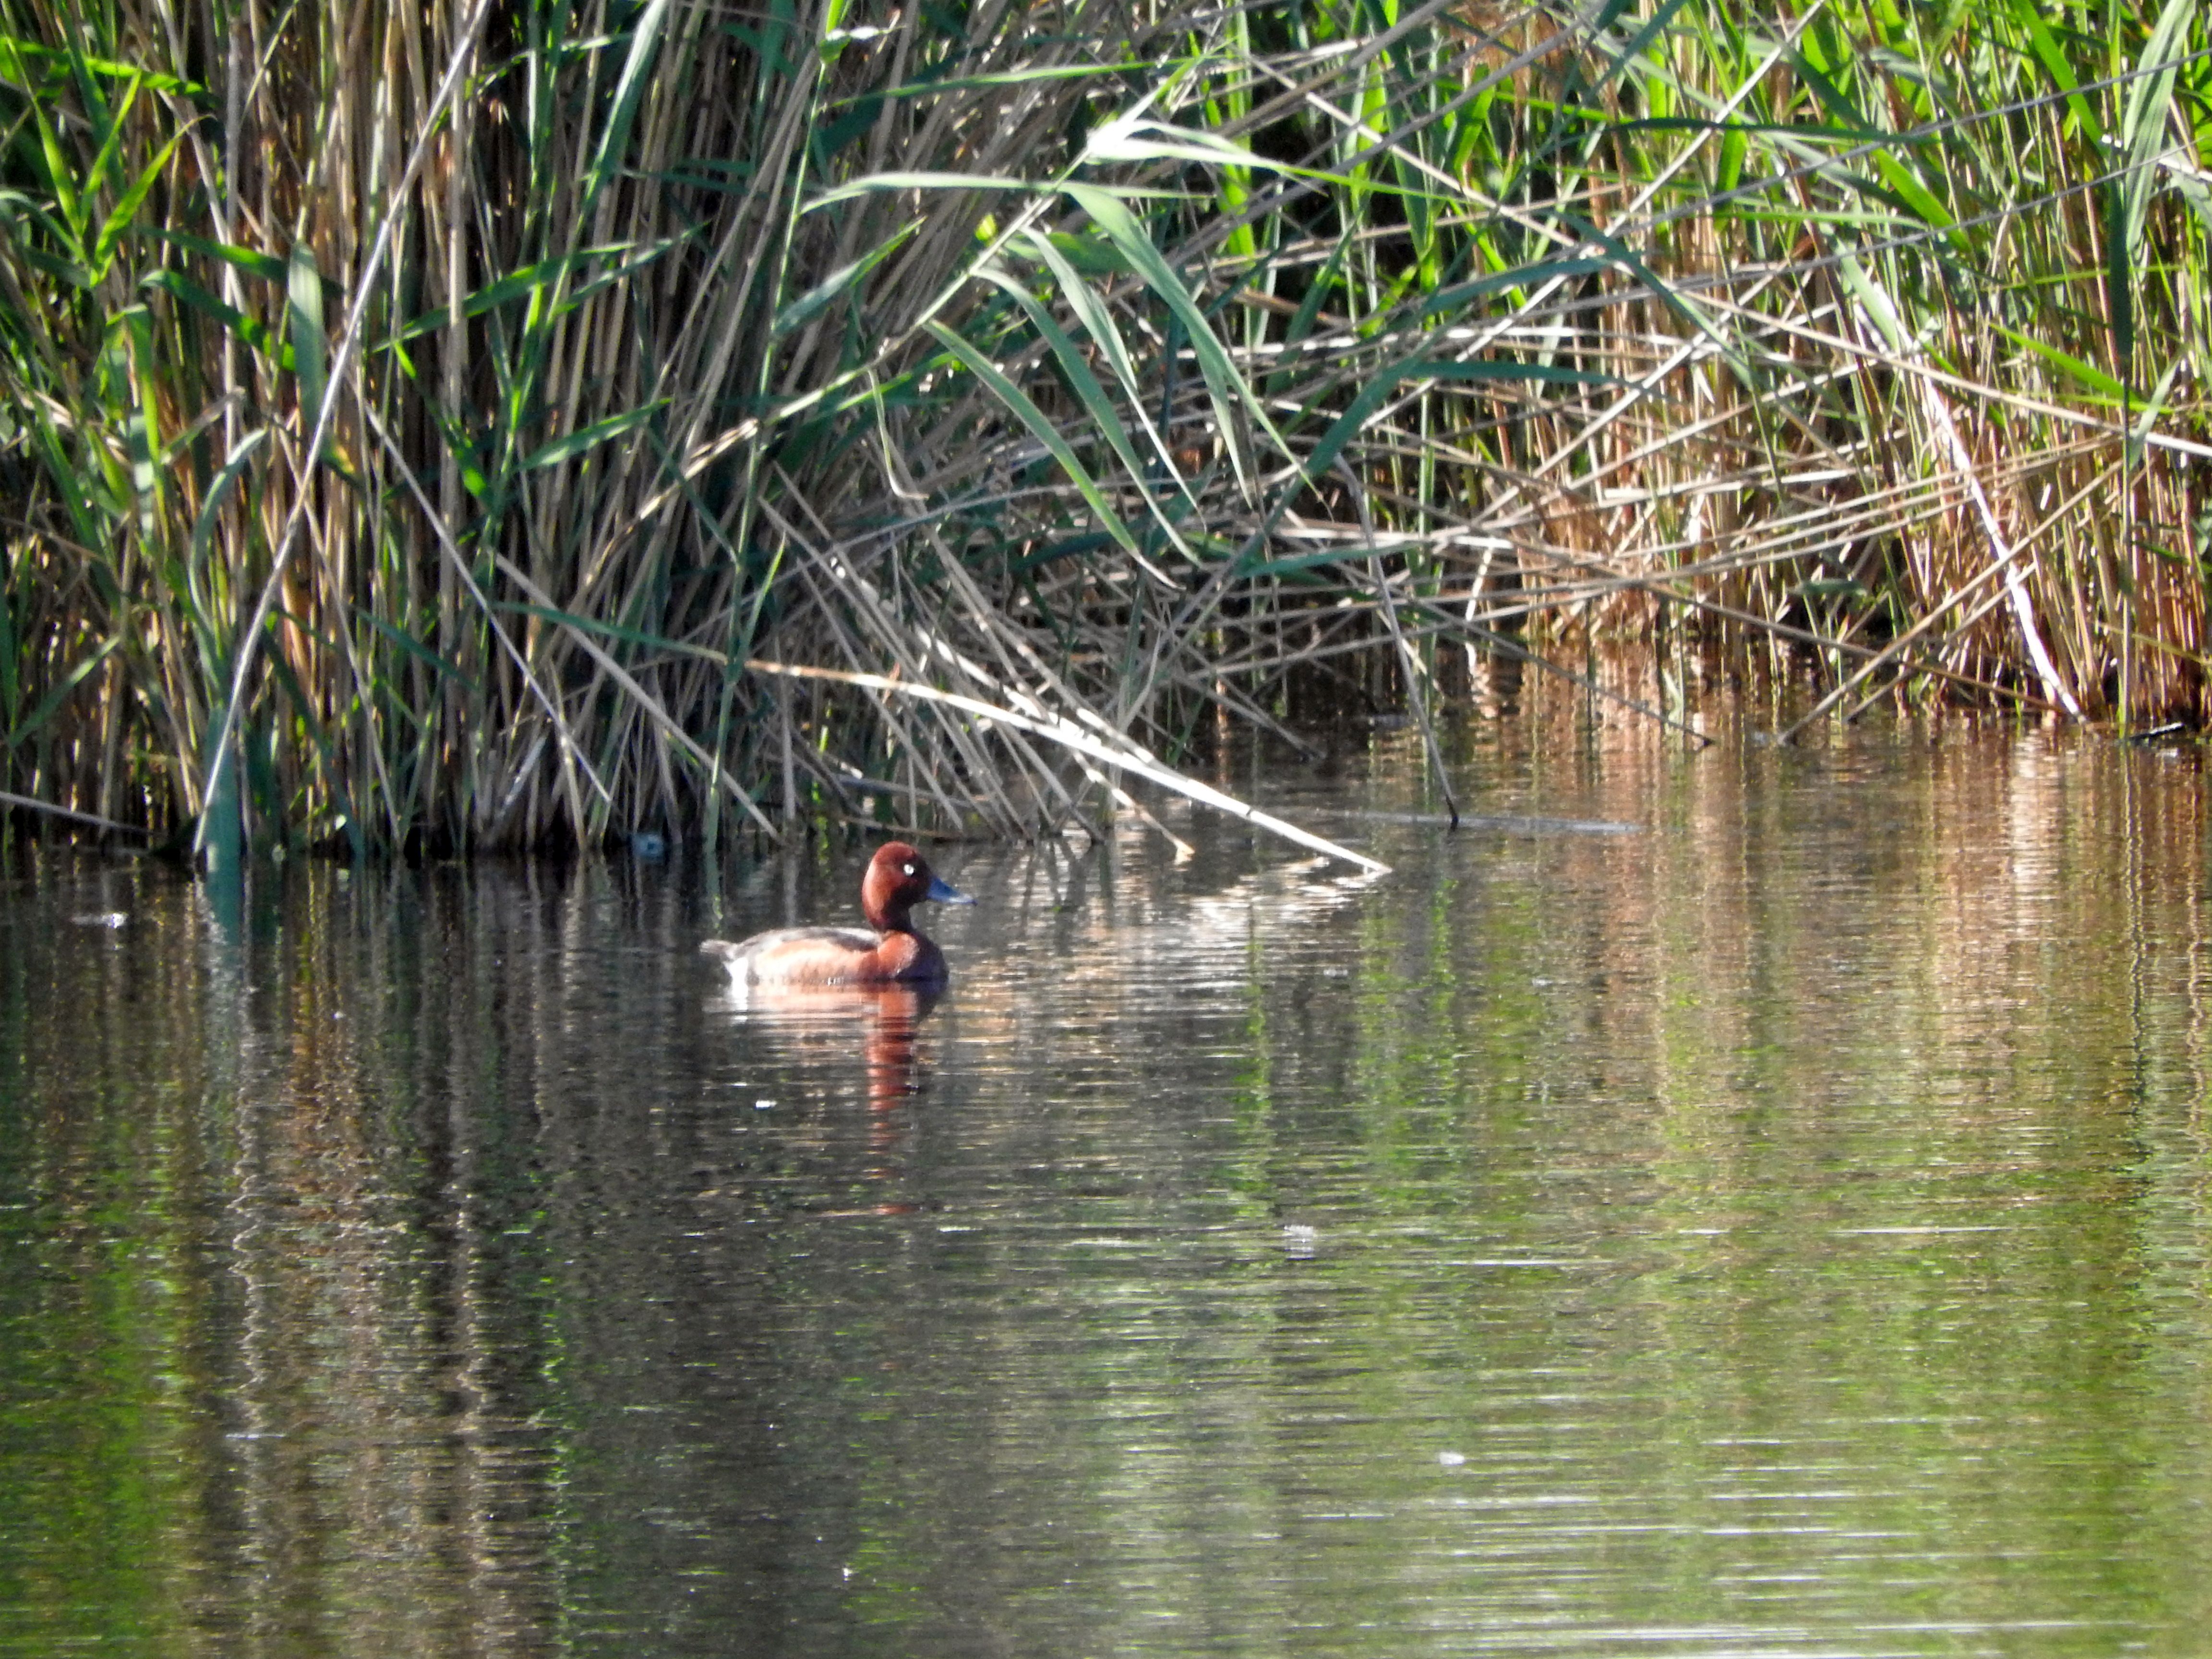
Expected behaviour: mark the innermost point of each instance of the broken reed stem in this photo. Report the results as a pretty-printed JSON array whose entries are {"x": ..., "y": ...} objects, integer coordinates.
[
  {"x": 1068, "y": 736},
  {"x": 26, "y": 803}
]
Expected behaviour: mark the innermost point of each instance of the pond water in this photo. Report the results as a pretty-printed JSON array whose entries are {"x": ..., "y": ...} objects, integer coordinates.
[{"x": 1744, "y": 1202}]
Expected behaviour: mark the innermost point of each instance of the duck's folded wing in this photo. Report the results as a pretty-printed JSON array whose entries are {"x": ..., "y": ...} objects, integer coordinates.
[{"x": 746, "y": 956}]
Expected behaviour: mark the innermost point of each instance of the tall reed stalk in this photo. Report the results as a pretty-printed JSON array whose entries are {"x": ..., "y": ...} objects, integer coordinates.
[{"x": 491, "y": 424}]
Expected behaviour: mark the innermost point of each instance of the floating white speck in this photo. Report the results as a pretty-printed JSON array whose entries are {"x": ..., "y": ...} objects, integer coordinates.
[
  {"x": 1451, "y": 1460},
  {"x": 762, "y": 1105}
]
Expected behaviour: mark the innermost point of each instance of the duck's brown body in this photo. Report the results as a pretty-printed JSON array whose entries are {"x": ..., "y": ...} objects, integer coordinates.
[
  {"x": 894, "y": 953},
  {"x": 829, "y": 956}
]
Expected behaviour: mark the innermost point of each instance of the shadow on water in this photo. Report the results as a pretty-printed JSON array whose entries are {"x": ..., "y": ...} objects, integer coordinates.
[{"x": 1781, "y": 1228}]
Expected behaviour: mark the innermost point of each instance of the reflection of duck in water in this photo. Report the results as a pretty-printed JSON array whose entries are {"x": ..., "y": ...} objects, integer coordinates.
[
  {"x": 895, "y": 953},
  {"x": 822, "y": 1019}
]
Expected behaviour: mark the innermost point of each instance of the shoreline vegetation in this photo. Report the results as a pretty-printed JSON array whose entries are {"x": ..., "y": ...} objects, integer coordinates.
[{"x": 501, "y": 424}]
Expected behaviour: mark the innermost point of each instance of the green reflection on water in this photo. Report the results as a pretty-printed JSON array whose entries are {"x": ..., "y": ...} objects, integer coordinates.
[{"x": 1782, "y": 1229}]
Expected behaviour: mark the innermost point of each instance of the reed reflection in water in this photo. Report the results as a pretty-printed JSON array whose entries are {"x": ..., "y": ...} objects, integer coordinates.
[{"x": 1783, "y": 1229}]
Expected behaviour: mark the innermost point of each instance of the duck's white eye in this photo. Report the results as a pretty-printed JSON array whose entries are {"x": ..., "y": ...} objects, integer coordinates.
[{"x": 909, "y": 868}]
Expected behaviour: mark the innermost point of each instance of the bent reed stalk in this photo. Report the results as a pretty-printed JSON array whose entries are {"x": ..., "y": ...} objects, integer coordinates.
[{"x": 426, "y": 425}]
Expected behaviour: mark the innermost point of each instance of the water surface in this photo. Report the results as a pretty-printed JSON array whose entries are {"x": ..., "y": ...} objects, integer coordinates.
[{"x": 1780, "y": 1228}]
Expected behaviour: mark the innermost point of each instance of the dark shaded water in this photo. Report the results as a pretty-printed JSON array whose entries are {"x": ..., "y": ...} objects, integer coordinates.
[{"x": 1780, "y": 1230}]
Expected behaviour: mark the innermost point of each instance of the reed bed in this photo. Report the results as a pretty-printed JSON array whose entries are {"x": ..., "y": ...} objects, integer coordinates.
[{"x": 484, "y": 425}]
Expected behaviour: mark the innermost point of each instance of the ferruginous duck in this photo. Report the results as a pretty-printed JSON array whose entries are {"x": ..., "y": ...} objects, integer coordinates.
[{"x": 895, "y": 953}]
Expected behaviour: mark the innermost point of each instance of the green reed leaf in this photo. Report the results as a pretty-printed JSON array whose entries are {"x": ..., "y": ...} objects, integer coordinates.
[
  {"x": 585, "y": 438},
  {"x": 1019, "y": 404},
  {"x": 304, "y": 332}
]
